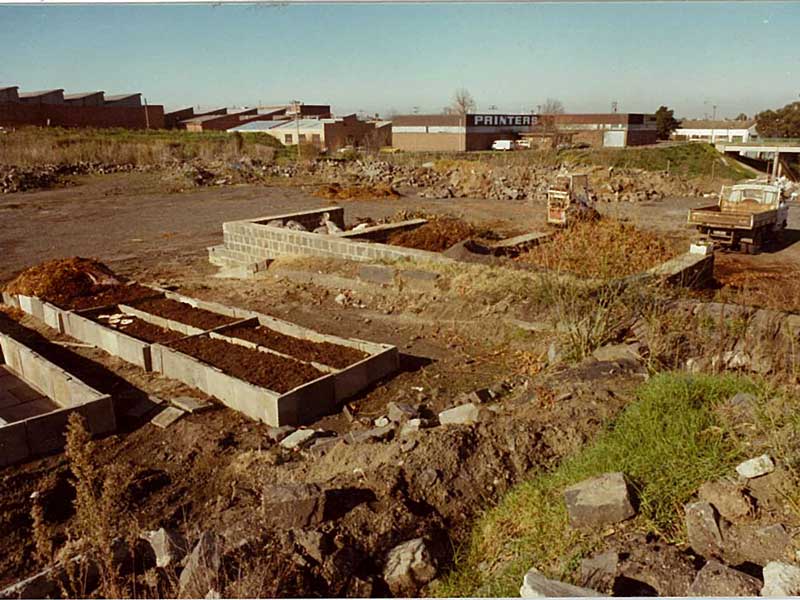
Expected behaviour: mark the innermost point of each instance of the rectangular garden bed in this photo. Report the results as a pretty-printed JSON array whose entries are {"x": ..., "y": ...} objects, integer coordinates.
[
  {"x": 267, "y": 368},
  {"x": 56, "y": 394}
]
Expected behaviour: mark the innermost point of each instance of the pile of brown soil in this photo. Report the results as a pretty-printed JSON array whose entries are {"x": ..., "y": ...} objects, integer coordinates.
[
  {"x": 260, "y": 368},
  {"x": 141, "y": 330},
  {"x": 62, "y": 280},
  {"x": 435, "y": 236},
  {"x": 183, "y": 313},
  {"x": 325, "y": 353},
  {"x": 603, "y": 249},
  {"x": 335, "y": 191}
]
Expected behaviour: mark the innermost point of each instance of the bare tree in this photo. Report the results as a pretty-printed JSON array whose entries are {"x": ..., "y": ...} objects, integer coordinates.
[
  {"x": 552, "y": 106},
  {"x": 463, "y": 103}
]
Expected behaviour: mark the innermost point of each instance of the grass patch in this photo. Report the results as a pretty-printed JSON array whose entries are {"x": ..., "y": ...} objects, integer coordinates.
[
  {"x": 690, "y": 160},
  {"x": 668, "y": 442},
  {"x": 35, "y": 146}
]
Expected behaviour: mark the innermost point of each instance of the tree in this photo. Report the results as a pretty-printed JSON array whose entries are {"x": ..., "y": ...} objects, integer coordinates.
[
  {"x": 666, "y": 122},
  {"x": 552, "y": 106},
  {"x": 463, "y": 102},
  {"x": 783, "y": 122},
  {"x": 741, "y": 117}
]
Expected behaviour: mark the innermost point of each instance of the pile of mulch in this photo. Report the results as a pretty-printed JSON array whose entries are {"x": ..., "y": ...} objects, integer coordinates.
[
  {"x": 62, "y": 280},
  {"x": 437, "y": 235},
  {"x": 335, "y": 191},
  {"x": 602, "y": 249},
  {"x": 324, "y": 353},
  {"x": 259, "y": 368},
  {"x": 183, "y": 313}
]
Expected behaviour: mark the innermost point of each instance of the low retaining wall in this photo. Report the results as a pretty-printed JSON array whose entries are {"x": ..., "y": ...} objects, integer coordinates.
[
  {"x": 251, "y": 242},
  {"x": 50, "y": 314},
  {"x": 45, "y": 433},
  {"x": 116, "y": 343}
]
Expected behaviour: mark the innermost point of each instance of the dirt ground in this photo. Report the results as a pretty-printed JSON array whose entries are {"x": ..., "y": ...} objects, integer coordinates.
[{"x": 208, "y": 471}]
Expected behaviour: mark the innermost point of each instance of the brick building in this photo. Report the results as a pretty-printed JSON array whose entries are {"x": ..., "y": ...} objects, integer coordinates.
[
  {"x": 328, "y": 133},
  {"x": 613, "y": 130},
  {"x": 52, "y": 108},
  {"x": 456, "y": 133},
  {"x": 85, "y": 99}
]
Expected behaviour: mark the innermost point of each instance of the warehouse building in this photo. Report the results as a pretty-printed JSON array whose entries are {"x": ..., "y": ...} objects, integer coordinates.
[
  {"x": 85, "y": 99},
  {"x": 327, "y": 134},
  {"x": 9, "y": 94},
  {"x": 454, "y": 133},
  {"x": 716, "y": 131},
  {"x": 612, "y": 130},
  {"x": 42, "y": 97}
]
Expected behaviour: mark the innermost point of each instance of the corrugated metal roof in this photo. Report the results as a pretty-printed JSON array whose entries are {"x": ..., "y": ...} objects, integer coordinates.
[
  {"x": 305, "y": 123},
  {"x": 38, "y": 93},
  {"x": 80, "y": 95},
  {"x": 256, "y": 126},
  {"x": 9, "y": 87},
  {"x": 115, "y": 97}
]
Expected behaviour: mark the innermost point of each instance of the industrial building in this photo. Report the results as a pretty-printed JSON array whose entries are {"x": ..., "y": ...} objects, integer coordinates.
[
  {"x": 326, "y": 133},
  {"x": 477, "y": 131},
  {"x": 457, "y": 133},
  {"x": 222, "y": 119},
  {"x": 716, "y": 131},
  {"x": 87, "y": 109}
]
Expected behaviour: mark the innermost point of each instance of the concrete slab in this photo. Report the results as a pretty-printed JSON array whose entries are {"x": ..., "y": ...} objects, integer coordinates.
[
  {"x": 189, "y": 404},
  {"x": 167, "y": 417}
]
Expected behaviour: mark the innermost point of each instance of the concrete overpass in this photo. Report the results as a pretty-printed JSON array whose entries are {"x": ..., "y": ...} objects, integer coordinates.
[{"x": 773, "y": 148}]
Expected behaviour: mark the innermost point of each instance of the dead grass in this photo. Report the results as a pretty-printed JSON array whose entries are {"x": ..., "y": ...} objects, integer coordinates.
[
  {"x": 602, "y": 249},
  {"x": 36, "y": 146}
]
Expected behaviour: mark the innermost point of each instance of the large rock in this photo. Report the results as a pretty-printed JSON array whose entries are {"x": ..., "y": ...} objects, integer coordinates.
[
  {"x": 758, "y": 544},
  {"x": 168, "y": 546},
  {"x": 715, "y": 579},
  {"x": 536, "y": 585},
  {"x": 600, "y": 571},
  {"x": 756, "y": 467},
  {"x": 702, "y": 529},
  {"x": 729, "y": 499},
  {"x": 466, "y": 414},
  {"x": 294, "y": 505},
  {"x": 409, "y": 566},
  {"x": 202, "y": 570},
  {"x": 599, "y": 501},
  {"x": 781, "y": 579}
]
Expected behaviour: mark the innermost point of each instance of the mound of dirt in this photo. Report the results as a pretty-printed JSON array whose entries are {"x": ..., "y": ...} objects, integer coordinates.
[
  {"x": 335, "y": 191},
  {"x": 604, "y": 249},
  {"x": 437, "y": 235},
  {"x": 63, "y": 280}
]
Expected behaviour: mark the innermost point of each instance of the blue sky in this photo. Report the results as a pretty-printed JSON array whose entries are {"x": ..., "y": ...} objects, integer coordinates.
[{"x": 743, "y": 57}]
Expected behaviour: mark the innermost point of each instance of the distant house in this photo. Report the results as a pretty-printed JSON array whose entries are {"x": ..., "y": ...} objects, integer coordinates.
[{"x": 716, "y": 131}]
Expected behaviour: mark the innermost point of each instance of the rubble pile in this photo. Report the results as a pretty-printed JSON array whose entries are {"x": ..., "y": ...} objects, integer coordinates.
[{"x": 21, "y": 179}]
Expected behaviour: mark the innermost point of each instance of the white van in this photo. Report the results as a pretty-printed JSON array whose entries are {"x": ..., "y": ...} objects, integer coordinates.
[{"x": 503, "y": 145}]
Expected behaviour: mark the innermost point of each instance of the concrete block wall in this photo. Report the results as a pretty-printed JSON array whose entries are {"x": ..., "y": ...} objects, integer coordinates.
[
  {"x": 116, "y": 343},
  {"x": 45, "y": 433},
  {"x": 246, "y": 242}
]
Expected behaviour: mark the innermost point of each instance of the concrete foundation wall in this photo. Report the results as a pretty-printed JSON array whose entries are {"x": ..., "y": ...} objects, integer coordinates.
[
  {"x": 45, "y": 433},
  {"x": 50, "y": 314}
]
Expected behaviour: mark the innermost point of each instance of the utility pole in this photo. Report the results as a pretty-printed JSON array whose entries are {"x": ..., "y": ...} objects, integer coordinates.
[
  {"x": 713, "y": 118},
  {"x": 146, "y": 115},
  {"x": 614, "y": 106},
  {"x": 297, "y": 125}
]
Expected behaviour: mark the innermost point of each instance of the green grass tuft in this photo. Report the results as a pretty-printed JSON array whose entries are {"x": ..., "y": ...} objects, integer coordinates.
[{"x": 667, "y": 442}]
